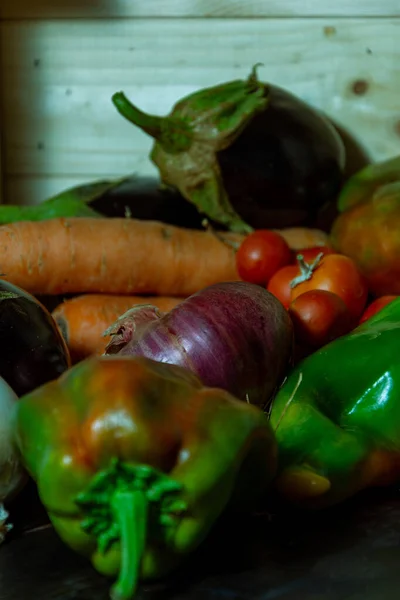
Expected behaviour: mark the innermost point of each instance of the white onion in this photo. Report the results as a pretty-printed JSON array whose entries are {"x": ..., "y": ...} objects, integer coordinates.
[{"x": 12, "y": 474}]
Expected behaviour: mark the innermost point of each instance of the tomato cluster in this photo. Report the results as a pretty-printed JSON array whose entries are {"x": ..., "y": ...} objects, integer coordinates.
[{"x": 324, "y": 292}]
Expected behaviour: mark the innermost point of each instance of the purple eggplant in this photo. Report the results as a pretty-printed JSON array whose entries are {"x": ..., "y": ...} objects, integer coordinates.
[
  {"x": 145, "y": 198},
  {"x": 32, "y": 349},
  {"x": 247, "y": 155}
]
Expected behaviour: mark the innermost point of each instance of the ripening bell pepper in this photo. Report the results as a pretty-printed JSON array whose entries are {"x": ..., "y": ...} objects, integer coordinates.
[
  {"x": 337, "y": 416},
  {"x": 368, "y": 228},
  {"x": 135, "y": 460}
]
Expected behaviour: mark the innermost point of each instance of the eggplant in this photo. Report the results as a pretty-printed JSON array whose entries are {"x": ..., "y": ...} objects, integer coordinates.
[
  {"x": 286, "y": 168},
  {"x": 248, "y": 155},
  {"x": 135, "y": 196},
  {"x": 147, "y": 199},
  {"x": 32, "y": 349}
]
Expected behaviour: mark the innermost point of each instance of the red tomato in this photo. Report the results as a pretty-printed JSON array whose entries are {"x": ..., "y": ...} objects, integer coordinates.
[
  {"x": 376, "y": 306},
  {"x": 319, "y": 317},
  {"x": 279, "y": 284},
  {"x": 338, "y": 274},
  {"x": 260, "y": 255},
  {"x": 310, "y": 254}
]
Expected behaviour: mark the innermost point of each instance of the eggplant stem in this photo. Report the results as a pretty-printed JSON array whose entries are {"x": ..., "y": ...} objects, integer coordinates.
[
  {"x": 253, "y": 77},
  {"x": 151, "y": 124},
  {"x": 130, "y": 509}
]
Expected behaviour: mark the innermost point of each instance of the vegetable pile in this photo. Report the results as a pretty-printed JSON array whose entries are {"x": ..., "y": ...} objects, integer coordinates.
[{"x": 220, "y": 334}]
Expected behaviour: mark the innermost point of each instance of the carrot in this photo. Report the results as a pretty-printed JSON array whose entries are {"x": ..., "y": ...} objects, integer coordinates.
[
  {"x": 304, "y": 237},
  {"x": 113, "y": 255},
  {"x": 118, "y": 256},
  {"x": 83, "y": 319}
]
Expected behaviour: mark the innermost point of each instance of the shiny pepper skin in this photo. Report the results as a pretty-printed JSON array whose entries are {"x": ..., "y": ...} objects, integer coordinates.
[
  {"x": 368, "y": 228},
  {"x": 337, "y": 416},
  {"x": 135, "y": 461}
]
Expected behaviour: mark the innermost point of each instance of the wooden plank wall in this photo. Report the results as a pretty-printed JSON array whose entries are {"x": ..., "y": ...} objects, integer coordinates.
[{"x": 60, "y": 62}]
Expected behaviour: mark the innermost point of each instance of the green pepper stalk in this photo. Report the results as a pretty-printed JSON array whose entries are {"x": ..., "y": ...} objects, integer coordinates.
[
  {"x": 118, "y": 502},
  {"x": 135, "y": 461},
  {"x": 337, "y": 416}
]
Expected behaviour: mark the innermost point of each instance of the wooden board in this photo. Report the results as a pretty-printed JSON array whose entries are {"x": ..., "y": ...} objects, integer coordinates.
[
  {"x": 58, "y": 78},
  {"x": 198, "y": 8}
]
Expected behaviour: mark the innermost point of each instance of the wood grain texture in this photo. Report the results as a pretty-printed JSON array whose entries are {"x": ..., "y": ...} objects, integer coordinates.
[
  {"x": 40, "y": 9},
  {"x": 58, "y": 78}
]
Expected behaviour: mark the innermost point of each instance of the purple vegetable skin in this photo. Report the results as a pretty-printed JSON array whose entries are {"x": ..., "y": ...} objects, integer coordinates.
[{"x": 233, "y": 335}]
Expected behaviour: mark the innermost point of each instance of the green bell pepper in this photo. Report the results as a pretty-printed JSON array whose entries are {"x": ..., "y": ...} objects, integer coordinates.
[{"x": 337, "y": 416}]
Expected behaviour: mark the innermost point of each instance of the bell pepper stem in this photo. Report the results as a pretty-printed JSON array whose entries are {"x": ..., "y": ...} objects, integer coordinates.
[
  {"x": 116, "y": 510},
  {"x": 130, "y": 510}
]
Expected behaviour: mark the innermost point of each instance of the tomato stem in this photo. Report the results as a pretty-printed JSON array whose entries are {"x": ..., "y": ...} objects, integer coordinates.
[{"x": 306, "y": 269}]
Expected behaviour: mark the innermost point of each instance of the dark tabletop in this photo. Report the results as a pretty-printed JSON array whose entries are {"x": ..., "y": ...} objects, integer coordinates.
[{"x": 351, "y": 552}]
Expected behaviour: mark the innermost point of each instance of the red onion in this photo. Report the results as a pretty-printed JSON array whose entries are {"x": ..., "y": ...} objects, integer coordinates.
[{"x": 234, "y": 335}]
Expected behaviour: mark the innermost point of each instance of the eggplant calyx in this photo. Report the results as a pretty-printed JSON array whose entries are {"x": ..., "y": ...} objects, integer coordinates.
[
  {"x": 187, "y": 141},
  {"x": 306, "y": 269}
]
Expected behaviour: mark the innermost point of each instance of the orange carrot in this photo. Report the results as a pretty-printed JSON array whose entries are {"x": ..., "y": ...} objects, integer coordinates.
[
  {"x": 84, "y": 319},
  {"x": 304, "y": 237},
  {"x": 113, "y": 255},
  {"x": 118, "y": 256}
]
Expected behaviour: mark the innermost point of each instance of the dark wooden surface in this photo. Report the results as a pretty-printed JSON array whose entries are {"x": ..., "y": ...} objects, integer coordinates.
[{"x": 351, "y": 552}]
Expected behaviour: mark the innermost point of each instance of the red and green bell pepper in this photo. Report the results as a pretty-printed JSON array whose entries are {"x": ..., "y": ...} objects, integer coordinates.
[
  {"x": 135, "y": 461},
  {"x": 368, "y": 227}
]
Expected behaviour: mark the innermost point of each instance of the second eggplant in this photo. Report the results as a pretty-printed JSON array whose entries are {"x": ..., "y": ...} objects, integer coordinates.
[
  {"x": 133, "y": 196},
  {"x": 32, "y": 349}
]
